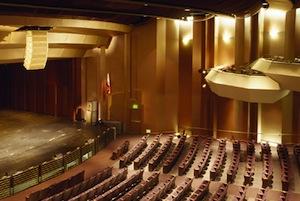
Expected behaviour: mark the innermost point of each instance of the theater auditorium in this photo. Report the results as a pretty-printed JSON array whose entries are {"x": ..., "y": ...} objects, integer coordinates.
[{"x": 127, "y": 100}]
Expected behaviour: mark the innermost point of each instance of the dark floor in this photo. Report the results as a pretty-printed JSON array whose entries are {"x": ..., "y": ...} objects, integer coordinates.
[{"x": 28, "y": 139}]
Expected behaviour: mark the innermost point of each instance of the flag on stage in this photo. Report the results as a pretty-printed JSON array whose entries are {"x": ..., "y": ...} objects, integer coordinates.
[{"x": 108, "y": 84}]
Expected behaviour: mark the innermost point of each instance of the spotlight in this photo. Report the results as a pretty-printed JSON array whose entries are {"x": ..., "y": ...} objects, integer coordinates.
[
  {"x": 189, "y": 18},
  {"x": 204, "y": 86},
  {"x": 265, "y": 4}
]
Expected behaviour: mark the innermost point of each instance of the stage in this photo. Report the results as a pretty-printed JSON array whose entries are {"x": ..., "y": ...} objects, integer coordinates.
[{"x": 28, "y": 139}]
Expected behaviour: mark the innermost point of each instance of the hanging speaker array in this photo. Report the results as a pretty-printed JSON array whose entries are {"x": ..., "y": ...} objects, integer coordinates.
[{"x": 36, "y": 51}]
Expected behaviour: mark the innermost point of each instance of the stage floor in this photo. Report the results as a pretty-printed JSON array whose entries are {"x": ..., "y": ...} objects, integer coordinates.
[{"x": 28, "y": 139}]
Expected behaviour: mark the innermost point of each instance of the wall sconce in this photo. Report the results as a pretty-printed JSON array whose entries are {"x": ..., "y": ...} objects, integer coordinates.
[
  {"x": 226, "y": 37},
  {"x": 274, "y": 33},
  {"x": 186, "y": 39}
]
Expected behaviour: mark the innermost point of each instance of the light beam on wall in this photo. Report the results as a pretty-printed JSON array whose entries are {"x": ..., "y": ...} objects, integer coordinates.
[
  {"x": 36, "y": 51},
  {"x": 274, "y": 33},
  {"x": 226, "y": 37},
  {"x": 186, "y": 39}
]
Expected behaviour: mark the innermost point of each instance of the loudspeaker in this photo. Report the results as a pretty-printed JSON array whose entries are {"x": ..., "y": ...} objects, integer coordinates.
[{"x": 36, "y": 51}]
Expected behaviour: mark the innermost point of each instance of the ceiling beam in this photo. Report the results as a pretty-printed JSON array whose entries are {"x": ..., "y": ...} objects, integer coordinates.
[
  {"x": 18, "y": 21},
  {"x": 19, "y": 38},
  {"x": 15, "y": 55}
]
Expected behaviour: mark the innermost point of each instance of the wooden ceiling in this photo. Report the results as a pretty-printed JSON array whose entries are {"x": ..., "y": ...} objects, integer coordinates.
[{"x": 130, "y": 12}]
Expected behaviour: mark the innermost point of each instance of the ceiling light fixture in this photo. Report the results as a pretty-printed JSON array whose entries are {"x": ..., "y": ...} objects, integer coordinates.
[
  {"x": 189, "y": 18},
  {"x": 265, "y": 4}
]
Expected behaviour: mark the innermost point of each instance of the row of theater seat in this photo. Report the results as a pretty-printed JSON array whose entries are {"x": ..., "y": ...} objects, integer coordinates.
[
  {"x": 249, "y": 170},
  {"x": 267, "y": 175},
  {"x": 219, "y": 161},
  {"x": 188, "y": 159},
  {"x": 241, "y": 196},
  {"x": 283, "y": 196},
  {"x": 204, "y": 159},
  {"x": 100, "y": 188},
  {"x": 155, "y": 161},
  {"x": 232, "y": 171},
  {"x": 56, "y": 188},
  {"x": 141, "y": 189},
  {"x": 173, "y": 157},
  {"x": 145, "y": 156},
  {"x": 201, "y": 192},
  {"x": 220, "y": 194},
  {"x": 180, "y": 191},
  {"x": 133, "y": 153},
  {"x": 121, "y": 188},
  {"x": 283, "y": 155},
  {"x": 261, "y": 195},
  {"x": 161, "y": 190},
  {"x": 120, "y": 151}
]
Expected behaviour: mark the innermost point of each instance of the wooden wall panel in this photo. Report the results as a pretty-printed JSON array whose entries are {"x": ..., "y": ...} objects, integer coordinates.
[
  {"x": 232, "y": 118},
  {"x": 54, "y": 90},
  {"x": 185, "y": 80},
  {"x": 296, "y": 117}
]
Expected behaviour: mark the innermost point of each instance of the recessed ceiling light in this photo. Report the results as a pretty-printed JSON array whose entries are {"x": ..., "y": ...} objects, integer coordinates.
[
  {"x": 145, "y": 4},
  {"x": 187, "y": 9}
]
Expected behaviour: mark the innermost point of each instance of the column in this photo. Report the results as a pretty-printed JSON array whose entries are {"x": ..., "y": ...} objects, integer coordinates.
[{"x": 239, "y": 41}]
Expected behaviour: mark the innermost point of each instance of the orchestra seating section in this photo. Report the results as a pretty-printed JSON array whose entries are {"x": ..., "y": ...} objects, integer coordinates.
[
  {"x": 200, "y": 192},
  {"x": 180, "y": 191},
  {"x": 130, "y": 179},
  {"x": 140, "y": 190},
  {"x": 173, "y": 157},
  {"x": 250, "y": 162},
  {"x": 220, "y": 194},
  {"x": 121, "y": 150},
  {"x": 232, "y": 171},
  {"x": 267, "y": 174},
  {"x": 283, "y": 196},
  {"x": 145, "y": 156},
  {"x": 59, "y": 187},
  {"x": 241, "y": 194},
  {"x": 219, "y": 161},
  {"x": 161, "y": 190},
  {"x": 204, "y": 159},
  {"x": 83, "y": 188},
  {"x": 134, "y": 152},
  {"x": 156, "y": 160},
  {"x": 261, "y": 195},
  {"x": 187, "y": 161},
  {"x": 284, "y": 164}
]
